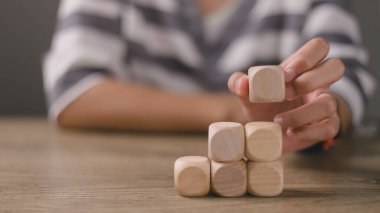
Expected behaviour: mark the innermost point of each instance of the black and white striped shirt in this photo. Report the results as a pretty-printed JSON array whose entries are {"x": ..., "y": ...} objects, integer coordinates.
[{"x": 167, "y": 44}]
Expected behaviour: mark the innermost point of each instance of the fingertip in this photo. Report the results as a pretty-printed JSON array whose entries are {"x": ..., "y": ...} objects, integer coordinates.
[
  {"x": 322, "y": 43},
  {"x": 238, "y": 84},
  {"x": 278, "y": 119}
]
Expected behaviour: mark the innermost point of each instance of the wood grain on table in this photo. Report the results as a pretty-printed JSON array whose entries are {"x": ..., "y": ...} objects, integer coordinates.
[{"x": 45, "y": 169}]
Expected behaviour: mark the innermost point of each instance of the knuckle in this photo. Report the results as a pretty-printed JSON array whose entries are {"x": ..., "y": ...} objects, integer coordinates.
[
  {"x": 293, "y": 119},
  {"x": 330, "y": 105},
  {"x": 302, "y": 85}
]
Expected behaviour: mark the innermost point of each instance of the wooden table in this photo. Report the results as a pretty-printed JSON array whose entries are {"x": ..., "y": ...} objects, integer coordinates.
[{"x": 44, "y": 169}]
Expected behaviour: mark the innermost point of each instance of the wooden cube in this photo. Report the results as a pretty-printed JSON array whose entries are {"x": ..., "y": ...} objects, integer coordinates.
[
  {"x": 226, "y": 141},
  {"x": 229, "y": 179},
  {"x": 192, "y": 176},
  {"x": 266, "y": 84},
  {"x": 263, "y": 141},
  {"x": 265, "y": 179}
]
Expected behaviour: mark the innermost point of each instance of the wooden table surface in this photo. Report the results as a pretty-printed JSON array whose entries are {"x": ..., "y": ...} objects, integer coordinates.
[{"x": 44, "y": 169}]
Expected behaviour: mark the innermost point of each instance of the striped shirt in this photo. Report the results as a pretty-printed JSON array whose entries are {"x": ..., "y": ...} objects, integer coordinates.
[{"x": 168, "y": 45}]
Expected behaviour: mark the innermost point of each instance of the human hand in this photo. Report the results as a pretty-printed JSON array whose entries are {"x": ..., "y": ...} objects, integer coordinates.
[{"x": 309, "y": 113}]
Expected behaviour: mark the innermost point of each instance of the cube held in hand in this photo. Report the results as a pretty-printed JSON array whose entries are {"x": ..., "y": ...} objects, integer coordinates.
[{"x": 266, "y": 84}]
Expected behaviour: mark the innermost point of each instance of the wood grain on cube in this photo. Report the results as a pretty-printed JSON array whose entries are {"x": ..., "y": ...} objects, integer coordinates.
[
  {"x": 226, "y": 141},
  {"x": 192, "y": 176},
  {"x": 266, "y": 84},
  {"x": 229, "y": 179},
  {"x": 263, "y": 141},
  {"x": 265, "y": 179}
]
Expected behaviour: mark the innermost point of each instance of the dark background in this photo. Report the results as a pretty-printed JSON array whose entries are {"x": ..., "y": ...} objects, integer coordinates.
[{"x": 26, "y": 27}]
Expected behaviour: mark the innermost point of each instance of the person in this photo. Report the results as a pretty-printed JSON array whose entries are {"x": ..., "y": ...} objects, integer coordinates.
[{"x": 167, "y": 65}]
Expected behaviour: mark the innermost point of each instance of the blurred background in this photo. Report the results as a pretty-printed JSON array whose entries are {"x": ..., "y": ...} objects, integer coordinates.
[{"x": 26, "y": 27}]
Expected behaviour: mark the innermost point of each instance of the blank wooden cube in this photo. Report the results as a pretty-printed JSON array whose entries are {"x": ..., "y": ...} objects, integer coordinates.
[
  {"x": 263, "y": 141},
  {"x": 265, "y": 179},
  {"x": 226, "y": 141},
  {"x": 192, "y": 176},
  {"x": 266, "y": 84},
  {"x": 229, "y": 179}
]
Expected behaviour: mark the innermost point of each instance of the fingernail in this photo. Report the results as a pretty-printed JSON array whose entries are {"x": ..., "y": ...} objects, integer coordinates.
[
  {"x": 238, "y": 82},
  {"x": 278, "y": 120},
  {"x": 290, "y": 74}
]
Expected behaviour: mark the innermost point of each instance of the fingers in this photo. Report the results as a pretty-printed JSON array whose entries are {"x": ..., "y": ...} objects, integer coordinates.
[
  {"x": 303, "y": 137},
  {"x": 238, "y": 84},
  {"x": 291, "y": 145},
  {"x": 323, "y": 75},
  {"x": 321, "y": 108},
  {"x": 321, "y": 131},
  {"x": 313, "y": 122},
  {"x": 307, "y": 57}
]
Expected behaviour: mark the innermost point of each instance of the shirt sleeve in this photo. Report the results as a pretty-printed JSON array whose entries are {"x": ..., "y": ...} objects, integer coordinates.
[
  {"x": 86, "y": 48},
  {"x": 332, "y": 20}
]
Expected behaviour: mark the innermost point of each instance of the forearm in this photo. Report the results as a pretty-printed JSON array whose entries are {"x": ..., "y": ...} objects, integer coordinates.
[{"x": 114, "y": 105}]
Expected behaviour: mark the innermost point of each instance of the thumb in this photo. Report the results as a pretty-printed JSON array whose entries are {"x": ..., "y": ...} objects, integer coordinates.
[{"x": 238, "y": 84}]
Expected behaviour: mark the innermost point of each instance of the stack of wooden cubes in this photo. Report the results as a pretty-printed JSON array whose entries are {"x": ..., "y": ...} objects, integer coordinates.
[{"x": 240, "y": 158}]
